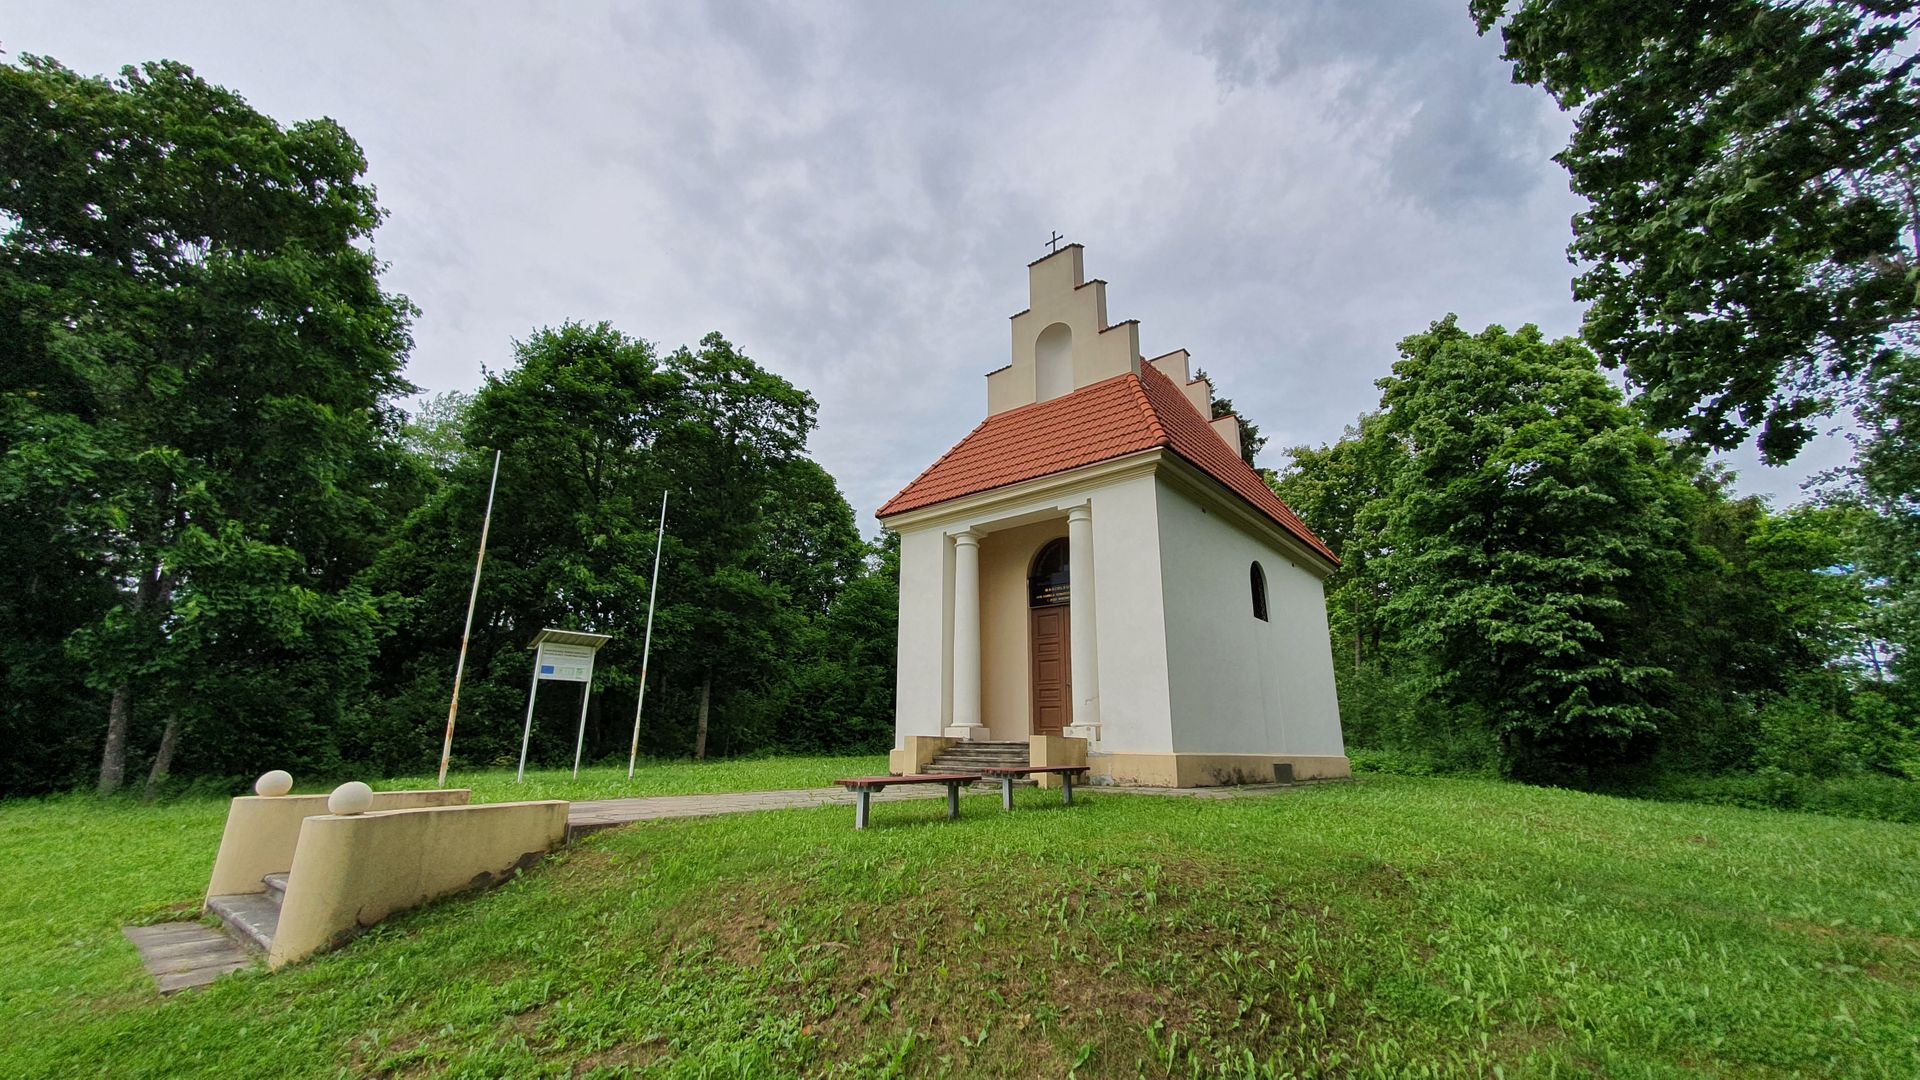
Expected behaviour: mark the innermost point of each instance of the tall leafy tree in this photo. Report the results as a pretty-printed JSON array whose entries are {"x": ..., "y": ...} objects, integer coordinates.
[
  {"x": 743, "y": 428},
  {"x": 1753, "y": 174},
  {"x": 201, "y": 354},
  {"x": 1530, "y": 521},
  {"x": 577, "y": 419}
]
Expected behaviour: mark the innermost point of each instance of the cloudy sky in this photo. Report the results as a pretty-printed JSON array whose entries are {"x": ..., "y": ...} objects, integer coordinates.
[{"x": 852, "y": 191}]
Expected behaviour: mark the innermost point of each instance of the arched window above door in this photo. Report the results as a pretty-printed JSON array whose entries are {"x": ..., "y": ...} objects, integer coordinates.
[
  {"x": 1048, "y": 582},
  {"x": 1259, "y": 582}
]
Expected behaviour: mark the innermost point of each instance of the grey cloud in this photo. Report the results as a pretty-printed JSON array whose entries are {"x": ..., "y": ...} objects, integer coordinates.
[{"x": 852, "y": 193}]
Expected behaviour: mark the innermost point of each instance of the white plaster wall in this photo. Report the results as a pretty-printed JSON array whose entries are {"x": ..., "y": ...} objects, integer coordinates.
[
  {"x": 924, "y": 655},
  {"x": 1135, "y": 702},
  {"x": 1240, "y": 685}
]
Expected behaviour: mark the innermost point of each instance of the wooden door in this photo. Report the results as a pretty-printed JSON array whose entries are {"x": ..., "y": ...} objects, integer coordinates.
[{"x": 1052, "y": 670}]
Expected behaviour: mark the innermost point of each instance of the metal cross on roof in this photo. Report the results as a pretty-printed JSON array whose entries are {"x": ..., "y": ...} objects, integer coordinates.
[{"x": 1053, "y": 242}]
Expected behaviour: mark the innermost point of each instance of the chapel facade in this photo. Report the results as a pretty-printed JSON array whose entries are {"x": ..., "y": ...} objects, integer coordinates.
[{"x": 1095, "y": 572}]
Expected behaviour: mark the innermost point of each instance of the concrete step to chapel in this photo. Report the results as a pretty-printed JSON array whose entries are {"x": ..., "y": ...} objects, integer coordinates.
[
  {"x": 968, "y": 757},
  {"x": 250, "y": 917},
  {"x": 276, "y": 888}
]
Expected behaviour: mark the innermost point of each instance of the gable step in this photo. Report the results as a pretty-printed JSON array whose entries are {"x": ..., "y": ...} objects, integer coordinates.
[{"x": 250, "y": 917}]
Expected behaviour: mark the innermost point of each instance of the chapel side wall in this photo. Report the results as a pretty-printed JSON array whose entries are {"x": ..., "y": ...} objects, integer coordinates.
[
  {"x": 923, "y": 649},
  {"x": 1240, "y": 685},
  {"x": 1006, "y": 659},
  {"x": 1135, "y": 706}
]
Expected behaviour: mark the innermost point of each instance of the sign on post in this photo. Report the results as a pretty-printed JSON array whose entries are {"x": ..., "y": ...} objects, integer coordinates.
[
  {"x": 564, "y": 663},
  {"x": 561, "y": 656}
]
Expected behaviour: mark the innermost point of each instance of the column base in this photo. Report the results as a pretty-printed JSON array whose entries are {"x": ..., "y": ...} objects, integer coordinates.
[{"x": 966, "y": 732}]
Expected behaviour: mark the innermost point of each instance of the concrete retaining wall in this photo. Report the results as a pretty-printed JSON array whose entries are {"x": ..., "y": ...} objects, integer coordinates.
[
  {"x": 261, "y": 833},
  {"x": 351, "y": 871}
]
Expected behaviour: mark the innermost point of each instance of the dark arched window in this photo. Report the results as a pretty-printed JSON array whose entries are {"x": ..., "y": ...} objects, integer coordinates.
[
  {"x": 1048, "y": 582},
  {"x": 1259, "y": 577}
]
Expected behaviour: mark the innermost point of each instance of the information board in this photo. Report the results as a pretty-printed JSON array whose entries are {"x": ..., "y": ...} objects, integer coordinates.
[{"x": 564, "y": 663}]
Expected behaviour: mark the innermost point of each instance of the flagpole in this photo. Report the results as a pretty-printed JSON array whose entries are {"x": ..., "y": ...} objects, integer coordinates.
[
  {"x": 653, "y": 590},
  {"x": 473, "y": 596}
]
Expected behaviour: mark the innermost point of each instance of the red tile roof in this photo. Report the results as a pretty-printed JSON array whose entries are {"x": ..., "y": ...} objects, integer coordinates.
[{"x": 1123, "y": 415}]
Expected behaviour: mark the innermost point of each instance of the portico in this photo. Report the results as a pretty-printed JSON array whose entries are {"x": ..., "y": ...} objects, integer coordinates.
[{"x": 1021, "y": 652}]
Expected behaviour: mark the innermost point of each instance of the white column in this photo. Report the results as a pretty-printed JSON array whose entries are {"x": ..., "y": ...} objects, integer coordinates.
[
  {"x": 966, "y": 638},
  {"x": 1085, "y": 656}
]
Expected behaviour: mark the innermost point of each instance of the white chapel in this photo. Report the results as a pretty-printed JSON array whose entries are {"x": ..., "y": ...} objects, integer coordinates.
[{"x": 1095, "y": 576}]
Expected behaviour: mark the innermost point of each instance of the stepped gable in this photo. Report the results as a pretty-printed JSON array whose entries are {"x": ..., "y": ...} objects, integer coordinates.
[{"x": 1126, "y": 414}]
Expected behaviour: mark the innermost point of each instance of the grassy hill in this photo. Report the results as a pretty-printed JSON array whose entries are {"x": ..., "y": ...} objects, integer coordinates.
[{"x": 1395, "y": 927}]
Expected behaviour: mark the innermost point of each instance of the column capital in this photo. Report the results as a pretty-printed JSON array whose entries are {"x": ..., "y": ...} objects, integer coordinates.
[
  {"x": 1083, "y": 512},
  {"x": 967, "y": 538}
]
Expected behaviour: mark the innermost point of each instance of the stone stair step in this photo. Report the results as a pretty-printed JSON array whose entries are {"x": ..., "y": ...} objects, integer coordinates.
[
  {"x": 276, "y": 888},
  {"x": 250, "y": 917}
]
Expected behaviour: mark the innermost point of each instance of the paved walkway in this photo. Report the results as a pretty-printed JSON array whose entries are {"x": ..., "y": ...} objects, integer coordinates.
[{"x": 590, "y": 817}]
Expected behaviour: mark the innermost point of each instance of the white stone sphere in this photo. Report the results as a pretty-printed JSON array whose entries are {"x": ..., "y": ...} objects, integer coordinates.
[
  {"x": 352, "y": 797},
  {"x": 273, "y": 784}
]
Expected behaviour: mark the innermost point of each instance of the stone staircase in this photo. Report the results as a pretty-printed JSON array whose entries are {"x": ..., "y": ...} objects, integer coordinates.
[
  {"x": 252, "y": 918},
  {"x": 966, "y": 757}
]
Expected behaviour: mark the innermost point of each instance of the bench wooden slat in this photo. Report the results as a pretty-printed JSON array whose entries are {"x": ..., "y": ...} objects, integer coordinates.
[
  {"x": 918, "y": 778},
  {"x": 1030, "y": 770}
]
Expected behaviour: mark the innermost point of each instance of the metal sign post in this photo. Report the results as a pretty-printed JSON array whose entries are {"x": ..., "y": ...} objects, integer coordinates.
[{"x": 563, "y": 656}]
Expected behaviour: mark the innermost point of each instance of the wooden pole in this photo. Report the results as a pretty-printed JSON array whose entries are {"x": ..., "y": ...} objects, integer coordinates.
[
  {"x": 646, "y": 649},
  {"x": 526, "y": 732},
  {"x": 473, "y": 596},
  {"x": 580, "y": 740}
]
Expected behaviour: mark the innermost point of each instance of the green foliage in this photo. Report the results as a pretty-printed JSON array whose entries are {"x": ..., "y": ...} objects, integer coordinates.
[
  {"x": 1750, "y": 168},
  {"x": 1420, "y": 927},
  {"x": 1521, "y": 554},
  {"x": 767, "y": 605},
  {"x": 199, "y": 369},
  {"x": 1530, "y": 519},
  {"x": 1870, "y": 798}
]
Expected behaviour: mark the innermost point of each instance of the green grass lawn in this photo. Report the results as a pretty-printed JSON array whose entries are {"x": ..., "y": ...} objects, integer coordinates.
[{"x": 1397, "y": 926}]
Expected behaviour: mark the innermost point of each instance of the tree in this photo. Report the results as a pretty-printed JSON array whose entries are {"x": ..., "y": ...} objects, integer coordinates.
[
  {"x": 743, "y": 428},
  {"x": 1251, "y": 441},
  {"x": 195, "y": 323},
  {"x": 1753, "y": 173},
  {"x": 578, "y": 419},
  {"x": 1529, "y": 523},
  {"x": 436, "y": 432},
  {"x": 1753, "y": 170}
]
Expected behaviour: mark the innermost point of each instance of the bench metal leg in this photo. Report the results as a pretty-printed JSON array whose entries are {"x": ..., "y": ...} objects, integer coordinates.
[
  {"x": 953, "y": 802},
  {"x": 1066, "y": 788},
  {"x": 1006, "y": 793},
  {"x": 860, "y": 808}
]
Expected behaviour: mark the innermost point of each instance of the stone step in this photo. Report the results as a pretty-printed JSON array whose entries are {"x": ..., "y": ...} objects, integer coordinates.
[
  {"x": 276, "y": 888},
  {"x": 250, "y": 917}
]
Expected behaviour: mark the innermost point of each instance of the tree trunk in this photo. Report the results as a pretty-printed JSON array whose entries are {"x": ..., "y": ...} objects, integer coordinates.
[
  {"x": 163, "y": 759},
  {"x": 113, "y": 760},
  {"x": 700, "y": 731},
  {"x": 113, "y": 763}
]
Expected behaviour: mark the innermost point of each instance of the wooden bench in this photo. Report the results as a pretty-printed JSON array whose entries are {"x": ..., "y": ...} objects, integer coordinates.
[
  {"x": 1066, "y": 773},
  {"x": 863, "y": 788}
]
